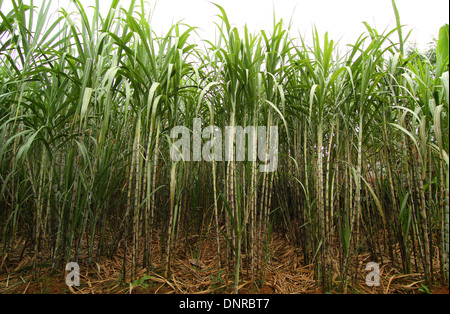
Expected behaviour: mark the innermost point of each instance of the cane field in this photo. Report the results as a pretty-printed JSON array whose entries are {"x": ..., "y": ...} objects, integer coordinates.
[{"x": 357, "y": 203}]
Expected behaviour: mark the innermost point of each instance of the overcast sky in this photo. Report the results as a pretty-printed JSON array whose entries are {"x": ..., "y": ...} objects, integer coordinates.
[{"x": 342, "y": 19}]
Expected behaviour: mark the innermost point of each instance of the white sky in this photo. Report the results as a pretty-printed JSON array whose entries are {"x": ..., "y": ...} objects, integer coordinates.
[{"x": 342, "y": 19}]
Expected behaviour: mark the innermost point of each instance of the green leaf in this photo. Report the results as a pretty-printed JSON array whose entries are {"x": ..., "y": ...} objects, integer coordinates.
[
  {"x": 442, "y": 51},
  {"x": 23, "y": 151}
]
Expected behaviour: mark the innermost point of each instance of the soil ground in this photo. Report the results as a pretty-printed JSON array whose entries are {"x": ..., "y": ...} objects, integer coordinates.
[{"x": 284, "y": 274}]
